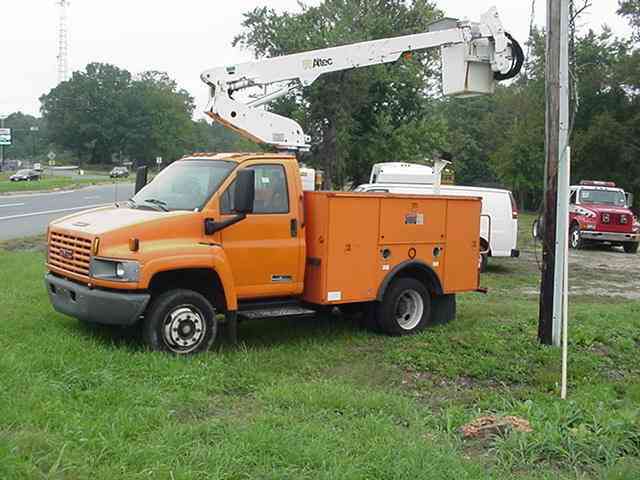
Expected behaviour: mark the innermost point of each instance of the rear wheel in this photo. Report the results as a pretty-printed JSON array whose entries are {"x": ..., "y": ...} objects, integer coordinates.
[
  {"x": 575, "y": 239},
  {"x": 484, "y": 260},
  {"x": 405, "y": 308},
  {"x": 630, "y": 247},
  {"x": 180, "y": 322}
]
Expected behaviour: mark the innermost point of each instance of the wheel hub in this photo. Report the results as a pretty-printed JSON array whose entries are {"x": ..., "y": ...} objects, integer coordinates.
[
  {"x": 409, "y": 309},
  {"x": 184, "y": 329}
]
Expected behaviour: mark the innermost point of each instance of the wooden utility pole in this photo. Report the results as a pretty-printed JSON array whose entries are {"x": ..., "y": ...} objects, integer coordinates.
[{"x": 556, "y": 137}]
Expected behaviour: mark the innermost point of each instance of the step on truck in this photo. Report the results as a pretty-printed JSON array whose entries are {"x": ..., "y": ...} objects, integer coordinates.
[{"x": 234, "y": 234}]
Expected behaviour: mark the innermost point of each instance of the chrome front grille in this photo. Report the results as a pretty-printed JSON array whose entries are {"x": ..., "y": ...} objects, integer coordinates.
[{"x": 70, "y": 253}]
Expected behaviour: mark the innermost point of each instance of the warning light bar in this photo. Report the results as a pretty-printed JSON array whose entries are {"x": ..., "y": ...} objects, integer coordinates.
[{"x": 597, "y": 183}]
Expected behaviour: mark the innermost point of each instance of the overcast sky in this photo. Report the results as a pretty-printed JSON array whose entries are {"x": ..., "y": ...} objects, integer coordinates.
[{"x": 182, "y": 38}]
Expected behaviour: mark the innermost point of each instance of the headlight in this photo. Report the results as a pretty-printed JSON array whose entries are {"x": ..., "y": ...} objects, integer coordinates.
[
  {"x": 120, "y": 271},
  {"x": 115, "y": 270},
  {"x": 585, "y": 212}
]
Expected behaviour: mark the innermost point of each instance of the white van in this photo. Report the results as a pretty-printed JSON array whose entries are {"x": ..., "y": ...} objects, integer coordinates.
[{"x": 498, "y": 225}]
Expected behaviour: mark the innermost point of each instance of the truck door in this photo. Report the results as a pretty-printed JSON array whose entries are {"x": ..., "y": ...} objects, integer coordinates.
[{"x": 264, "y": 249}]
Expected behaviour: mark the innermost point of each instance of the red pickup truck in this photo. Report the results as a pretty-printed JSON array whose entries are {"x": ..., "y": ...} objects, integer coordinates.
[{"x": 600, "y": 212}]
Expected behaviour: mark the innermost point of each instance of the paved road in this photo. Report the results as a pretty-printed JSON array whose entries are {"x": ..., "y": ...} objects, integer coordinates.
[{"x": 25, "y": 215}]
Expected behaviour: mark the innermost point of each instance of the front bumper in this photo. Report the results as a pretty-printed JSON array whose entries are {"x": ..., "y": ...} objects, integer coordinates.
[
  {"x": 609, "y": 236},
  {"x": 95, "y": 305}
]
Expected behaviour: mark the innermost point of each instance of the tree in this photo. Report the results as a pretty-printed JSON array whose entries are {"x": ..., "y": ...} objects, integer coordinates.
[
  {"x": 105, "y": 114},
  {"x": 631, "y": 10},
  {"x": 158, "y": 118},
  {"x": 86, "y": 113},
  {"x": 26, "y": 142},
  {"x": 363, "y": 116}
]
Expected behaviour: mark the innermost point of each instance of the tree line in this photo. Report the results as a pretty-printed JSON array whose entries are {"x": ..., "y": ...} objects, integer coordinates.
[{"x": 105, "y": 115}]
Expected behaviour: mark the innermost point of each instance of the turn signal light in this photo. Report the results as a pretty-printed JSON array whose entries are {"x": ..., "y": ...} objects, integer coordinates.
[
  {"x": 95, "y": 247},
  {"x": 134, "y": 244}
]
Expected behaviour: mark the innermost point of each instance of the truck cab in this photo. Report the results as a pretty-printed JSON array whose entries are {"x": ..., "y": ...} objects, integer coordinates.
[
  {"x": 236, "y": 235},
  {"x": 600, "y": 212}
]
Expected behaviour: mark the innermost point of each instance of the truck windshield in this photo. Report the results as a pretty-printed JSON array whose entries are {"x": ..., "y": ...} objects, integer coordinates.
[
  {"x": 606, "y": 197},
  {"x": 184, "y": 185}
]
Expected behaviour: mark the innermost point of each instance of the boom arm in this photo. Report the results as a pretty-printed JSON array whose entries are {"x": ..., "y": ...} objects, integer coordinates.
[{"x": 474, "y": 55}]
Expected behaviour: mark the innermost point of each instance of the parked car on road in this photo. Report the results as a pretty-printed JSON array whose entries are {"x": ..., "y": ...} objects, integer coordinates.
[
  {"x": 24, "y": 175},
  {"x": 119, "y": 172}
]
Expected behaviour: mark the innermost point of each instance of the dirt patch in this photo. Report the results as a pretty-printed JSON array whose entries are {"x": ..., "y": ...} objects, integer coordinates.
[
  {"x": 597, "y": 271},
  {"x": 28, "y": 244}
]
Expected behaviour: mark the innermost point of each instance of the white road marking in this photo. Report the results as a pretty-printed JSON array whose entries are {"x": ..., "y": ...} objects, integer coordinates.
[
  {"x": 60, "y": 210},
  {"x": 12, "y": 205},
  {"x": 92, "y": 197}
]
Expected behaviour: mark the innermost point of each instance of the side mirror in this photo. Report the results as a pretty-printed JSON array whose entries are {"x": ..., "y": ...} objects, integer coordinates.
[
  {"x": 141, "y": 178},
  {"x": 629, "y": 199},
  {"x": 245, "y": 191}
]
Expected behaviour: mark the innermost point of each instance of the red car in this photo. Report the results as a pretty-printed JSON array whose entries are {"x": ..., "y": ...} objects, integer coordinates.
[{"x": 600, "y": 212}]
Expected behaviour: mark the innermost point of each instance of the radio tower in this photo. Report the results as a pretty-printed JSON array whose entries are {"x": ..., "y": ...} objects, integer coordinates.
[{"x": 63, "y": 46}]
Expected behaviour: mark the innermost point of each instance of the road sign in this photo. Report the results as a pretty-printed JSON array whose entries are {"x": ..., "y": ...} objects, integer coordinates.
[
  {"x": 51, "y": 156},
  {"x": 159, "y": 160},
  {"x": 5, "y": 136}
]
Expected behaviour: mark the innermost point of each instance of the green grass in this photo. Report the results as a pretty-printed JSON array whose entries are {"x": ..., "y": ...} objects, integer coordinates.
[
  {"x": 49, "y": 183},
  {"x": 319, "y": 398}
]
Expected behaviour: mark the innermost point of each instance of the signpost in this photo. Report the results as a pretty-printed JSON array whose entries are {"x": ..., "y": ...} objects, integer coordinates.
[
  {"x": 5, "y": 136},
  {"x": 5, "y": 139}
]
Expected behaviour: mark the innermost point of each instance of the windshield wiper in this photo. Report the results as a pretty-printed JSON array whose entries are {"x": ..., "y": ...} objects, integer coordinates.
[
  {"x": 131, "y": 203},
  {"x": 161, "y": 204}
]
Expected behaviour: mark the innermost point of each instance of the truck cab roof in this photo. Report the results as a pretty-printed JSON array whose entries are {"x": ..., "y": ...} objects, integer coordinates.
[{"x": 238, "y": 157}]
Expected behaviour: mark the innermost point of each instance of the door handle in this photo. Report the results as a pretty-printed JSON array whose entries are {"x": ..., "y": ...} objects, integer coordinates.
[{"x": 294, "y": 227}]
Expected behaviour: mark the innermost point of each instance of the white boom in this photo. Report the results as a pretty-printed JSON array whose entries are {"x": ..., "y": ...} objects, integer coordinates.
[{"x": 474, "y": 56}]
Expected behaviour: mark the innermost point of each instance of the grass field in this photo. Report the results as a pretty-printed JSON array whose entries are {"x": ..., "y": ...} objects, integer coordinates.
[
  {"x": 321, "y": 398},
  {"x": 50, "y": 183}
]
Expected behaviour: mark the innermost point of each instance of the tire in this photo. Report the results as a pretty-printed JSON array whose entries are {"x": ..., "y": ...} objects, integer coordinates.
[
  {"x": 405, "y": 307},
  {"x": 364, "y": 313},
  {"x": 575, "y": 239},
  {"x": 443, "y": 309},
  {"x": 630, "y": 247},
  {"x": 181, "y": 322},
  {"x": 484, "y": 260}
]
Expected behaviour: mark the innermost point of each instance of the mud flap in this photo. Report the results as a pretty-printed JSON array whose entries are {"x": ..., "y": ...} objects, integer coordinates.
[
  {"x": 443, "y": 309},
  {"x": 230, "y": 327}
]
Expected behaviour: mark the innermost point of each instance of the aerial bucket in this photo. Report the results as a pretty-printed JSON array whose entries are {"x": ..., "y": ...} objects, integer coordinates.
[{"x": 466, "y": 69}]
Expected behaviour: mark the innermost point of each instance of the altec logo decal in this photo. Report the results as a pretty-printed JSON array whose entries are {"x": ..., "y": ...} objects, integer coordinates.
[{"x": 316, "y": 63}]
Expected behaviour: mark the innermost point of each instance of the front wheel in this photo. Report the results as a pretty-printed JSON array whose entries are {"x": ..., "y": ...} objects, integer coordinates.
[
  {"x": 405, "y": 308},
  {"x": 575, "y": 239},
  {"x": 630, "y": 247},
  {"x": 180, "y": 322}
]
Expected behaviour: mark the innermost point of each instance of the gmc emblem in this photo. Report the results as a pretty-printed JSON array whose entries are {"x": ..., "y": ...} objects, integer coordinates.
[{"x": 66, "y": 253}]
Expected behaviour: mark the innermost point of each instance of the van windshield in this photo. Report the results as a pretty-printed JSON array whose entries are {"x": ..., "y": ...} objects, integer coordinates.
[{"x": 184, "y": 185}]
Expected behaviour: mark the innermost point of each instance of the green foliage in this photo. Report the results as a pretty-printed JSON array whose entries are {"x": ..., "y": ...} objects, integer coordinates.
[
  {"x": 105, "y": 114},
  {"x": 358, "y": 117},
  {"x": 631, "y": 10},
  {"x": 87, "y": 113},
  {"x": 27, "y": 143}
]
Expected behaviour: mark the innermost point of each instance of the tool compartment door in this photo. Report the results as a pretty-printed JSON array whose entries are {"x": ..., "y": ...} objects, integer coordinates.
[
  {"x": 463, "y": 245},
  {"x": 352, "y": 249},
  {"x": 412, "y": 220}
]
